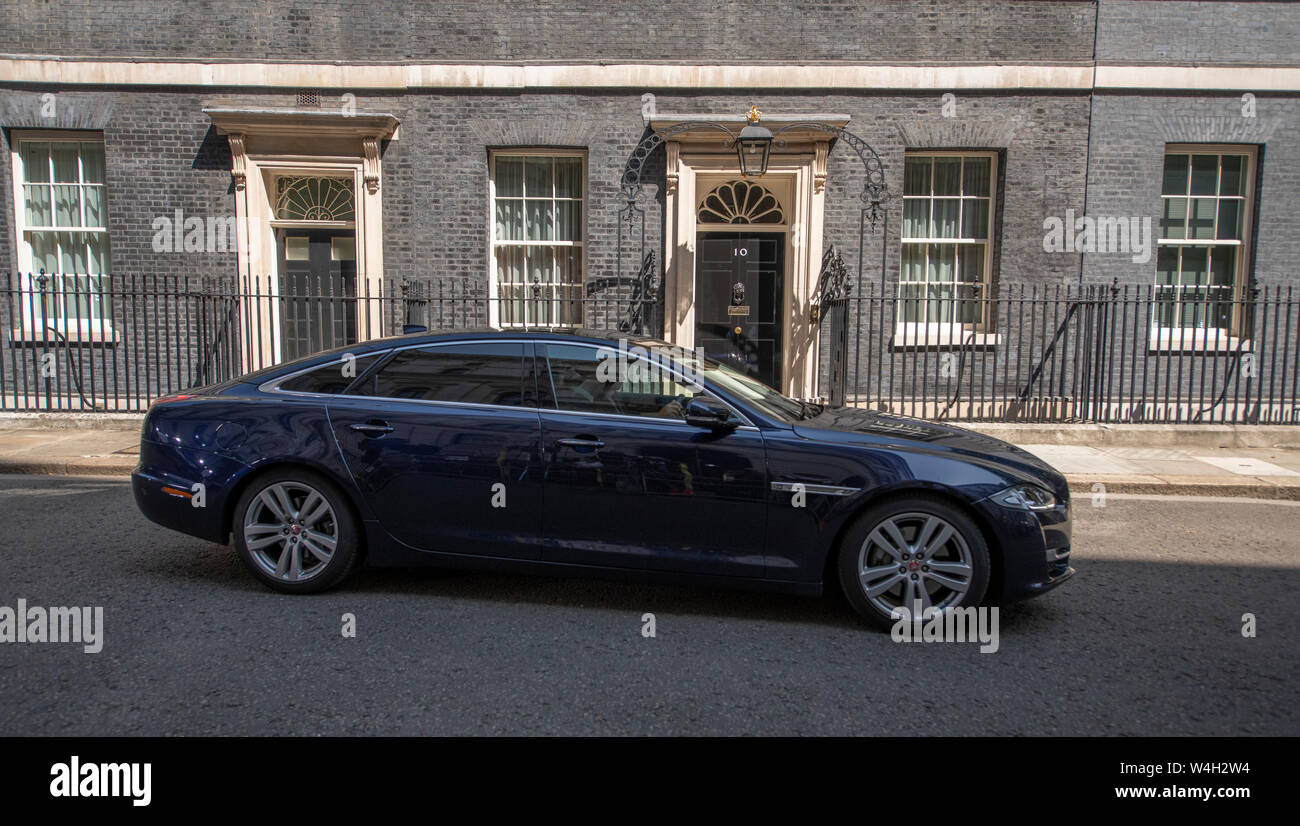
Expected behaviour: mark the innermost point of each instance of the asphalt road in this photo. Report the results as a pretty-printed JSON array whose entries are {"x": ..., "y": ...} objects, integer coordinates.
[{"x": 1145, "y": 640}]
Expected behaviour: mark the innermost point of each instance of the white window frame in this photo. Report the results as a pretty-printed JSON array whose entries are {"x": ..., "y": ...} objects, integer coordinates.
[
  {"x": 58, "y": 323},
  {"x": 496, "y": 299},
  {"x": 1206, "y": 338},
  {"x": 910, "y": 334}
]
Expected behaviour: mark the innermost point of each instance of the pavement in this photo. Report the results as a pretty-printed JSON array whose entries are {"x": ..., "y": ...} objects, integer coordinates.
[{"x": 1263, "y": 463}]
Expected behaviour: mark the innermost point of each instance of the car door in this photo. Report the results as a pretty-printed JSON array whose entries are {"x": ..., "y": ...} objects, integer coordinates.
[
  {"x": 443, "y": 442},
  {"x": 630, "y": 484}
]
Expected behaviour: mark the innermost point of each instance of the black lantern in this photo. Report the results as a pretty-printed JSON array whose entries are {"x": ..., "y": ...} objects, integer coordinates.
[{"x": 754, "y": 146}]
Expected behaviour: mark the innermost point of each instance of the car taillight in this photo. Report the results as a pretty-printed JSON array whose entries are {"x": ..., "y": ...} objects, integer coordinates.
[{"x": 174, "y": 397}]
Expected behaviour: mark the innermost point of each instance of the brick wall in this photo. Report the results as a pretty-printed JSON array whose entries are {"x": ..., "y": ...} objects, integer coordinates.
[
  {"x": 576, "y": 31},
  {"x": 1249, "y": 33}
]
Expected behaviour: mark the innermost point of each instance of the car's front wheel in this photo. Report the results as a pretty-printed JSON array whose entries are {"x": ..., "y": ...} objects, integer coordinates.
[
  {"x": 295, "y": 531},
  {"x": 917, "y": 553}
]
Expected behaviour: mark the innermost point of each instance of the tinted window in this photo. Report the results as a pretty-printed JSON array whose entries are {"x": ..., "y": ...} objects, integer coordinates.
[
  {"x": 332, "y": 378},
  {"x": 597, "y": 380},
  {"x": 488, "y": 373}
]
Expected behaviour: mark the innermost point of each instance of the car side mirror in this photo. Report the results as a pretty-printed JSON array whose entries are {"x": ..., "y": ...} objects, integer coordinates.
[{"x": 708, "y": 414}]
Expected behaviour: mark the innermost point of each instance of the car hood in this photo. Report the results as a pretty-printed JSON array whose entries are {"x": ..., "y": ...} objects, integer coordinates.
[{"x": 852, "y": 425}]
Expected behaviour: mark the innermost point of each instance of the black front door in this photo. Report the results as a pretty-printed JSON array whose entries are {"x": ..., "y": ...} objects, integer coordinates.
[
  {"x": 318, "y": 288},
  {"x": 739, "y": 289}
]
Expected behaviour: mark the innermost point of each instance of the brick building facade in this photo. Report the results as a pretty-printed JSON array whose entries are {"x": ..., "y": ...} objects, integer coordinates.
[{"x": 480, "y": 147}]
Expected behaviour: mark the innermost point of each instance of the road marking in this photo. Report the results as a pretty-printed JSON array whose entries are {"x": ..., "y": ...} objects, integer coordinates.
[{"x": 1174, "y": 498}]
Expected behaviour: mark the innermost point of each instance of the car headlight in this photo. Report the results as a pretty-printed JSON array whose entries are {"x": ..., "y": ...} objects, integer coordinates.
[{"x": 1026, "y": 497}]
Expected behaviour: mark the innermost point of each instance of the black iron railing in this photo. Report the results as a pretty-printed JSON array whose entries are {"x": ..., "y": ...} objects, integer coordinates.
[
  {"x": 1091, "y": 354},
  {"x": 1032, "y": 353}
]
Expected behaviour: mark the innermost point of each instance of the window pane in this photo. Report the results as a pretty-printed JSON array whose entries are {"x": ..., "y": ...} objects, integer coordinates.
[
  {"x": 540, "y": 265},
  {"x": 916, "y": 216},
  {"x": 972, "y": 263},
  {"x": 947, "y": 176},
  {"x": 45, "y": 251},
  {"x": 592, "y": 380},
  {"x": 510, "y": 265},
  {"x": 916, "y": 176},
  {"x": 72, "y": 252},
  {"x": 1229, "y": 220},
  {"x": 1205, "y": 174},
  {"x": 913, "y": 262},
  {"x": 1194, "y": 266},
  {"x": 330, "y": 378},
  {"x": 36, "y": 162},
  {"x": 1175, "y": 180},
  {"x": 1173, "y": 223},
  {"x": 97, "y": 260},
  {"x": 943, "y": 261},
  {"x": 65, "y": 162},
  {"x": 1201, "y": 223},
  {"x": 541, "y": 220},
  {"x": 946, "y": 212},
  {"x": 510, "y": 177},
  {"x": 1223, "y": 266},
  {"x": 474, "y": 373},
  {"x": 568, "y": 221},
  {"x": 67, "y": 206},
  {"x": 977, "y": 176},
  {"x": 537, "y": 178},
  {"x": 911, "y": 294},
  {"x": 975, "y": 218},
  {"x": 92, "y": 163},
  {"x": 568, "y": 177},
  {"x": 1233, "y": 182},
  {"x": 1167, "y": 266},
  {"x": 510, "y": 219},
  {"x": 37, "y": 198},
  {"x": 94, "y": 196}
]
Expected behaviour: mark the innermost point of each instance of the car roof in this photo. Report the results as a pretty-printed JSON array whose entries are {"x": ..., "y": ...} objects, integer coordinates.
[
  {"x": 580, "y": 334},
  {"x": 462, "y": 333}
]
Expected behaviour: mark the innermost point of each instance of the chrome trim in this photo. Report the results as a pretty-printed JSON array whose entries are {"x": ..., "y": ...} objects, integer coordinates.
[
  {"x": 829, "y": 490},
  {"x": 272, "y": 385},
  {"x": 544, "y": 410}
]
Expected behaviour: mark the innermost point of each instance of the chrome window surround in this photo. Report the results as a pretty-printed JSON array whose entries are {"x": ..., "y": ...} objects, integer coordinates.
[{"x": 273, "y": 385}]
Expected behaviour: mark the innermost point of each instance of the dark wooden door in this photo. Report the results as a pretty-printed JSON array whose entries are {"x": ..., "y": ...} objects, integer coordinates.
[
  {"x": 318, "y": 288},
  {"x": 739, "y": 296}
]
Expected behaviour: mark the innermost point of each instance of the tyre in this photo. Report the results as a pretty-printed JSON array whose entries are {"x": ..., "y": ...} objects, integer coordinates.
[
  {"x": 912, "y": 551},
  {"x": 296, "y": 532}
]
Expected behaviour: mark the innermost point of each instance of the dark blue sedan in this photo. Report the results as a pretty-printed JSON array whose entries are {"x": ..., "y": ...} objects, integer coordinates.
[{"x": 582, "y": 454}]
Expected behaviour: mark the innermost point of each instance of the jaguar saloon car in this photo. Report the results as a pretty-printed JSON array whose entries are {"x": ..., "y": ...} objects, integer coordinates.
[{"x": 571, "y": 454}]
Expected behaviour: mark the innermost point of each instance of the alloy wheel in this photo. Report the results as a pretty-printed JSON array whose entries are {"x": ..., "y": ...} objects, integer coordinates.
[
  {"x": 914, "y": 559},
  {"x": 291, "y": 531}
]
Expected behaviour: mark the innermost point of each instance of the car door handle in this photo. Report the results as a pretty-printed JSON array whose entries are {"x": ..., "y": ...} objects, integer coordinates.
[
  {"x": 373, "y": 428},
  {"x": 580, "y": 443}
]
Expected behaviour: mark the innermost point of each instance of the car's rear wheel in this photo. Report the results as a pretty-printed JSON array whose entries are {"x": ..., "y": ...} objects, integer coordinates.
[
  {"x": 295, "y": 531},
  {"x": 915, "y": 553}
]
